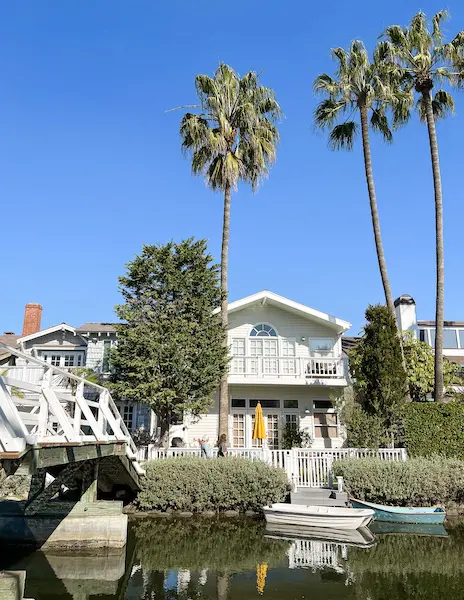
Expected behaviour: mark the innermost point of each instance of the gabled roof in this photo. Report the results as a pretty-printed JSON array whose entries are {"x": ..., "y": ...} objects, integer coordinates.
[
  {"x": 267, "y": 297},
  {"x": 42, "y": 332},
  {"x": 96, "y": 328}
]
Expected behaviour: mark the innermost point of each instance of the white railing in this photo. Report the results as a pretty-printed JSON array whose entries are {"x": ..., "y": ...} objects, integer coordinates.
[
  {"x": 288, "y": 367},
  {"x": 43, "y": 404},
  {"x": 305, "y": 467}
]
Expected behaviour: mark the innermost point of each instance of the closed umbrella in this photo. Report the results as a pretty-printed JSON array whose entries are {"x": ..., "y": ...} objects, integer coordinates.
[{"x": 259, "y": 430}]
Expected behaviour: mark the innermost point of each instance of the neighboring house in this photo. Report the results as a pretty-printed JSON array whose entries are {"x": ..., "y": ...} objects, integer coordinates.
[
  {"x": 453, "y": 332},
  {"x": 285, "y": 355}
]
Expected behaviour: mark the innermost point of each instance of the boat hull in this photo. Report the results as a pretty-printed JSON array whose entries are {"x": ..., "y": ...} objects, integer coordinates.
[
  {"x": 317, "y": 516},
  {"x": 399, "y": 514}
]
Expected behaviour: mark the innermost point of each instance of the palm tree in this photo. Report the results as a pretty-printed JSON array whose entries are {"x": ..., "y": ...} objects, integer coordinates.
[
  {"x": 233, "y": 137},
  {"x": 357, "y": 88},
  {"x": 418, "y": 56}
]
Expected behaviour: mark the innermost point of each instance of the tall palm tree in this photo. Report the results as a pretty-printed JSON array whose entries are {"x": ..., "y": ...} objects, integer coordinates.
[
  {"x": 357, "y": 88},
  {"x": 418, "y": 56},
  {"x": 232, "y": 138}
]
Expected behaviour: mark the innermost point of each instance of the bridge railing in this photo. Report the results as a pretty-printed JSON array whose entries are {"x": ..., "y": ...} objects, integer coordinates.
[{"x": 44, "y": 404}]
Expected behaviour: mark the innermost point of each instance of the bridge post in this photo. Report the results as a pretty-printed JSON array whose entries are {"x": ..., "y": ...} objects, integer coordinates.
[{"x": 89, "y": 482}]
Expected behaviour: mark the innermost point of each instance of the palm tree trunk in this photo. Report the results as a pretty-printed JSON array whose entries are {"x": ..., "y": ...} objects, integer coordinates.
[
  {"x": 374, "y": 211},
  {"x": 224, "y": 388},
  {"x": 440, "y": 263}
]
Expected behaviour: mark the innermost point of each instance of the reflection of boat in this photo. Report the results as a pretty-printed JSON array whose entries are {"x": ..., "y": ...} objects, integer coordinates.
[
  {"x": 331, "y": 517},
  {"x": 403, "y": 514},
  {"x": 361, "y": 537},
  {"x": 412, "y": 528}
]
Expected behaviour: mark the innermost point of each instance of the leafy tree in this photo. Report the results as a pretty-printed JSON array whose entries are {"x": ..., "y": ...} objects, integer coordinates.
[
  {"x": 380, "y": 382},
  {"x": 418, "y": 57},
  {"x": 232, "y": 139},
  {"x": 170, "y": 353},
  {"x": 420, "y": 367},
  {"x": 357, "y": 88}
]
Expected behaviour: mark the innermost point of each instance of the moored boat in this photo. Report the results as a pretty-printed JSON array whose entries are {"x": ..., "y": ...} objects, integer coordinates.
[
  {"x": 402, "y": 514},
  {"x": 318, "y": 516}
]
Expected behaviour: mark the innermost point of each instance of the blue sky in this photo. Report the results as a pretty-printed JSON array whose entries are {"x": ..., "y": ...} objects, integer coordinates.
[{"x": 91, "y": 167}]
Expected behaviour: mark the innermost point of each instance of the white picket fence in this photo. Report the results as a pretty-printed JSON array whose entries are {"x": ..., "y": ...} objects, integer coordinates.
[{"x": 305, "y": 467}]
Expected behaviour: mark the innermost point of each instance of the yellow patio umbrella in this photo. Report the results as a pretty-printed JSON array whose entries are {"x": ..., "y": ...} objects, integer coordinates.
[{"x": 259, "y": 430}]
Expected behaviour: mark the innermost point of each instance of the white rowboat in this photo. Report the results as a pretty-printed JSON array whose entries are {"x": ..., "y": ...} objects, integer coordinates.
[{"x": 318, "y": 516}]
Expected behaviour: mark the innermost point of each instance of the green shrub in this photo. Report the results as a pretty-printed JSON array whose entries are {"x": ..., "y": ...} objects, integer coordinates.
[
  {"x": 417, "y": 481},
  {"x": 199, "y": 543},
  {"x": 196, "y": 484},
  {"x": 434, "y": 428}
]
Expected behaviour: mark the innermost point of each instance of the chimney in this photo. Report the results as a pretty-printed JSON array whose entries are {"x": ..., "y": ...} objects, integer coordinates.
[
  {"x": 405, "y": 308},
  {"x": 32, "y": 318}
]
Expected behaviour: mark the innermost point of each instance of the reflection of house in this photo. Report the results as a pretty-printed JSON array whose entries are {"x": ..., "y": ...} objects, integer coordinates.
[{"x": 285, "y": 355}]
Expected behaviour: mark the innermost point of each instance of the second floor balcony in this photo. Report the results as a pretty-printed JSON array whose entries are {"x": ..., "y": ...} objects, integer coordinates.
[{"x": 288, "y": 370}]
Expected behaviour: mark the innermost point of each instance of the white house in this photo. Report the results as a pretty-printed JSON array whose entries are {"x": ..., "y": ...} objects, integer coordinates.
[
  {"x": 285, "y": 355},
  {"x": 288, "y": 357}
]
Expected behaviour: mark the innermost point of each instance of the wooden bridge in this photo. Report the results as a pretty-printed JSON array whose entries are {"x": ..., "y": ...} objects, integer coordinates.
[{"x": 65, "y": 432}]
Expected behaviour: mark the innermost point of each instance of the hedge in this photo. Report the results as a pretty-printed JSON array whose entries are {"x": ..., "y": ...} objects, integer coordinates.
[
  {"x": 417, "y": 481},
  {"x": 199, "y": 543},
  {"x": 197, "y": 484},
  {"x": 434, "y": 428}
]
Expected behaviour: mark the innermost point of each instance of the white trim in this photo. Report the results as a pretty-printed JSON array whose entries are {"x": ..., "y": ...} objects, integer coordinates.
[
  {"x": 338, "y": 324},
  {"x": 61, "y": 327}
]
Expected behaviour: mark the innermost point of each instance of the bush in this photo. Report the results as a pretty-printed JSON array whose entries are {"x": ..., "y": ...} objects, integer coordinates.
[
  {"x": 417, "y": 481},
  {"x": 197, "y": 484},
  {"x": 434, "y": 428}
]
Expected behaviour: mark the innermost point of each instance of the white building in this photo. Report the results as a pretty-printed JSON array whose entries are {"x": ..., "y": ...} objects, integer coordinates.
[{"x": 285, "y": 355}]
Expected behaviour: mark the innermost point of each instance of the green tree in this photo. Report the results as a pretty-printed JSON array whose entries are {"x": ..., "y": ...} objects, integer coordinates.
[
  {"x": 380, "y": 382},
  {"x": 170, "y": 353},
  {"x": 357, "y": 88},
  {"x": 420, "y": 367},
  {"x": 233, "y": 138},
  {"x": 418, "y": 57}
]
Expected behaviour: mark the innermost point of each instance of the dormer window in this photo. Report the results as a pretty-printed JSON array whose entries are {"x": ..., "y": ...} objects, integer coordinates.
[{"x": 263, "y": 330}]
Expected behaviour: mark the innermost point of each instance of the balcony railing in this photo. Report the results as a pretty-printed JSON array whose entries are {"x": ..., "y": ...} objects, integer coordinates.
[{"x": 288, "y": 367}]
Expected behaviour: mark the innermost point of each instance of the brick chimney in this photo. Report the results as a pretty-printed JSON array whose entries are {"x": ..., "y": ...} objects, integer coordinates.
[{"x": 32, "y": 318}]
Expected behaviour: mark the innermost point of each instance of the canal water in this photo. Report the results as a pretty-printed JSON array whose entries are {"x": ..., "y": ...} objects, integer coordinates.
[{"x": 209, "y": 559}]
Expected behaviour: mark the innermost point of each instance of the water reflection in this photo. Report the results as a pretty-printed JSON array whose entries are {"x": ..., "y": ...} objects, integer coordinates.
[{"x": 236, "y": 560}]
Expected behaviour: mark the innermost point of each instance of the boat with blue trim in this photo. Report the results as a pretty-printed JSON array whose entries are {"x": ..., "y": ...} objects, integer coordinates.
[{"x": 403, "y": 514}]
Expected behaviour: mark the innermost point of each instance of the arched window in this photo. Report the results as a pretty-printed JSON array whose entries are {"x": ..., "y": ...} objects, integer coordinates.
[{"x": 263, "y": 330}]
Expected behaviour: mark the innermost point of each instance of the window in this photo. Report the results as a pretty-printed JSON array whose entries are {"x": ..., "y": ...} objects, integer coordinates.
[
  {"x": 461, "y": 337},
  {"x": 238, "y": 366},
  {"x": 69, "y": 360},
  {"x": 323, "y": 404},
  {"x": 449, "y": 338},
  {"x": 290, "y": 403},
  {"x": 423, "y": 335},
  {"x": 55, "y": 360},
  {"x": 291, "y": 421},
  {"x": 272, "y": 431},
  {"x": 79, "y": 360},
  {"x": 321, "y": 346},
  {"x": 238, "y": 347},
  {"x": 288, "y": 366},
  {"x": 106, "y": 356},
  {"x": 432, "y": 337},
  {"x": 265, "y": 403},
  {"x": 325, "y": 425},
  {"x": 238, "y": 430},
  {"x": 262, "y": 330},
  {"x": 127, "y": 413},
  {"x": 288, "y": 347},
  {"x": 238, "y": 403}
]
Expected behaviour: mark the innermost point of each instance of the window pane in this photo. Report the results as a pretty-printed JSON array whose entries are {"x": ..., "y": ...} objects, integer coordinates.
[
  {"x": 68, "y": 360},
  {"x": 325, "y": 432},
  {"x": 321, "y": 346},
  {"x": 461, "y": 337},
  {"x": 288, "y": 348},
  {"x": 322, "y": 404},
  {"x": 273, "y": 431},
  {"x": 55, "y": 360},
  {"x": 238, "y": 347},
  {"x": 290, "y": 404},
  {"x": 238, "y": 403},
  {"x": 291, "y": 421},
  {"x": 423, "y": 337},
  {"x": 238, "y": 365},
  {"x": 262, "y": 330},
  {"x": 265, "y": 403},
  {"x": 238, "y": 431},
  {"x": 449, "y": 338},
  {"x": 432, "y": 337}
]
